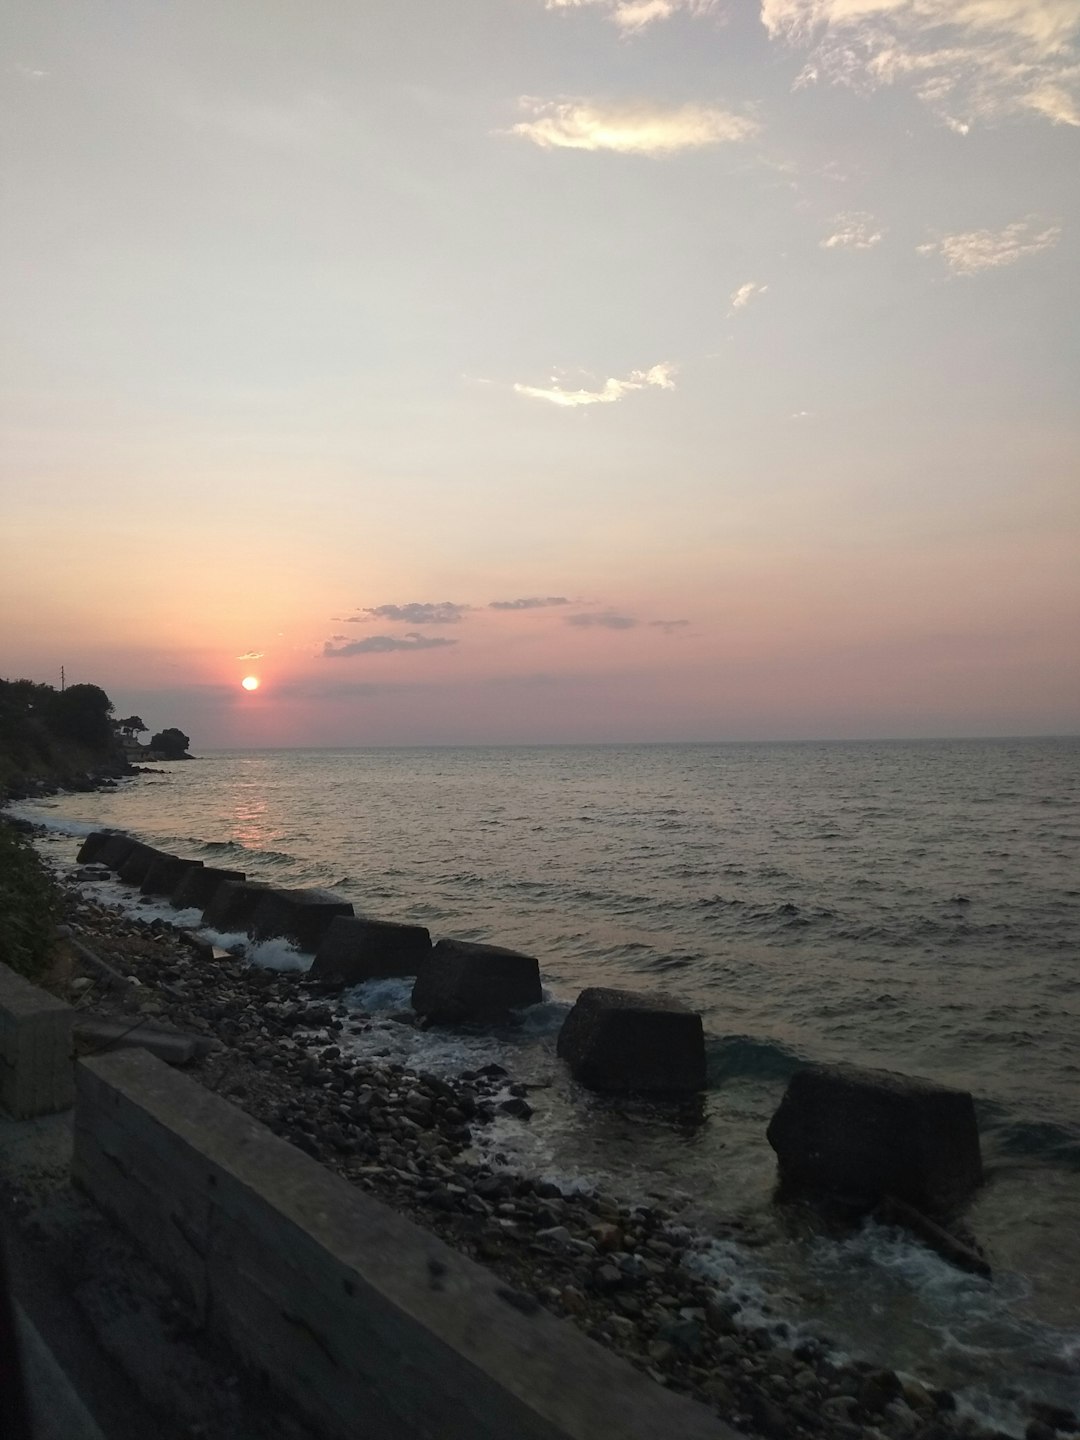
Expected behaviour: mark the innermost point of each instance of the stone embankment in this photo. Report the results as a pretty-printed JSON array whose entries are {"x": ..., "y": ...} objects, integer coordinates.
[{"x": 623, "y": 1273}]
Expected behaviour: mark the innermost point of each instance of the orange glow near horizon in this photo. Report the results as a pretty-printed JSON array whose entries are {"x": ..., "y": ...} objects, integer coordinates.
[{"x": 250, "y": 682}]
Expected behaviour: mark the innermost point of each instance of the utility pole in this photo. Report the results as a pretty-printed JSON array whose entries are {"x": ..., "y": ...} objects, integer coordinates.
[{"x": 61, "y": 679}]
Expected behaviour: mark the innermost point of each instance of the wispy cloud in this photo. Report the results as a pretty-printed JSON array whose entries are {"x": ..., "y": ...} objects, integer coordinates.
[
  {"x": 967, "y": 59},
  {"x": 416, "y": 612},
  {"x": 605, "y": 620},
  {"x": 669, "y": 627},
  {"x": 642, "y": 129},
  {"x": 971, "y": 251},
  {"x": 741, "y": 297},
  {"x": 661, "y": 376},
  {"x": 381, "y": 644},
  {"x": 529, "y": 602},
  {"x": 252, "y": 655},
  {"x": 631, "y": 15},
  {"x": 854, "y": 230}
]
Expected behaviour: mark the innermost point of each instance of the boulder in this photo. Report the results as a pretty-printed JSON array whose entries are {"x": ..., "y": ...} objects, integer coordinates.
[
  {"x": 195, "y": 889},
  {"x": 463, "y": 980},
  {"x": 166, "y": 873},
  {"x": 624, "y": 1040},
  {"x": 302, "y": 916},
  {"x": 233, "y": 904},
  {"x": 355, "y": 948},
  {"x": 132, "y": 869},
  {"x": 863, "y": 1135}
]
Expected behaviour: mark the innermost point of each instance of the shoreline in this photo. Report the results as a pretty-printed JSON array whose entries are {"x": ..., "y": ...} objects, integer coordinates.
[{"x": 630, "y": 1276}]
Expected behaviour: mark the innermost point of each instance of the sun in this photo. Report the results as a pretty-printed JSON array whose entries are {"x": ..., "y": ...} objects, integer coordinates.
[{"x": 250, "y": 682}]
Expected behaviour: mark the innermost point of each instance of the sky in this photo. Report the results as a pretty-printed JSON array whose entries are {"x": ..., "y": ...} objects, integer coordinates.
[{"x": 544, "y": 371}]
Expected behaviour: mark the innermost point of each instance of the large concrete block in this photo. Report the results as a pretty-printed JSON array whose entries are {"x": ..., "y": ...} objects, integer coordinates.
[
  {"x": 355, "y": 949},
  {"x": 367, "y": 1323},
  {"x": 623, "y": 1040},
  {"x": 116, "y": 850},
  {"x": 35, "y": 1048},
  {"x": 464, "y": 980},
  {"x": 166, "y": 873},
  {"x": 302, "y": 916},
  {"x": 92, "y": 848},
  {"x": 864, "y": 1134},
  {"x": 135, "y": 864},
  {"x": 195, "y": 889},
  {"x": 233, "y": 904}
]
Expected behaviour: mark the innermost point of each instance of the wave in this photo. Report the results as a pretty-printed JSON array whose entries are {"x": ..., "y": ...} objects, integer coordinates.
[{"x": 742, "y": 1057}]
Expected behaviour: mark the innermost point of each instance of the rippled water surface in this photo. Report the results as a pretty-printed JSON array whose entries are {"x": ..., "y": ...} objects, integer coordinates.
[{"x": 909, "y": 905}]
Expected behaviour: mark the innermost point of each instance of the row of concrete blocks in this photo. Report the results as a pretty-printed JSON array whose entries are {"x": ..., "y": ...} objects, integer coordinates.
[{"x": 861, "y": 1133}]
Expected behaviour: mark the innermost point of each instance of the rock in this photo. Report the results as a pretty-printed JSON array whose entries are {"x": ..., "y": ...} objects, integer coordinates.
[
  {"x": 302, "y": 916},
  {"x": 517, "y": 1107},
  {"x": 625, "y": 1041},
  {"x": 1039, "y": 1430},
  {"x": 1056, "y": 1416},
  {"x": 878, "y": 1389},
  {"x": 864, "y": 1134},
  {"x": 355, "y": 949},
  {"x": 233, "y": 904},
  {"x": 165, "y": 874},
  {"x": 196, "y": 888},
  {"x": 462, "y": 980},
  {"x": 132, "y": 869}
]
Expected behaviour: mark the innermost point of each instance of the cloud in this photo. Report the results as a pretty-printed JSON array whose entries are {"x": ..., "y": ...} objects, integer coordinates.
[
  {"x": 856, "y": 231},
  {"x": 741, "y": 297},
  {"x": 604, "y": 621},
  {"x": 612, "y": 390},
  {"x": 669, "y": 626},
  {"x": 252, "y": 655},
  {"x": 417, "y": 612},
  {"x": 642, "y": 129},
  {"x": 966, "y": 59},
  {"x": 382, "y": 645},
  {"x": 529, "y": 602},
  {"x": 970, "y": 251},
  {"x": 631, "y": 15}
]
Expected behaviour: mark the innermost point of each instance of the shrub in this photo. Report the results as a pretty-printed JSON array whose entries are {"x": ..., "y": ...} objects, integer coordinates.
[{"x": 29, "y": 905}]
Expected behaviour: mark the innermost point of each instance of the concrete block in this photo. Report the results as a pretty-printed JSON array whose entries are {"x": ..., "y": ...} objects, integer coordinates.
[
  {"x": 233, "y": 904},
  {"x": 196, "y": 888},
  {"x": 362, "y": 1319},
  {"x": 355, "y": 949},
  {"x": 35, "y": 1048},
  {"x": 91, "y": 849},
  {"x": 97, "y": 1033},
  {"x": 302, "y": 916},
  {"x": 464, "y": 980},
  {"x": 866, "y": 1134},
  {"x": 116, "y": 850},
  {"x": 132, "y": 869},
  {"x": 628, "y": 1040},
  {"x": 166, "y": 873}
]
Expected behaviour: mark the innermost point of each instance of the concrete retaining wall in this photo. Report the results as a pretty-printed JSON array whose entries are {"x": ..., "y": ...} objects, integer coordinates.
[
  {"x": 35, "y": 1048},
  {"x": 368, "y": 1323}
]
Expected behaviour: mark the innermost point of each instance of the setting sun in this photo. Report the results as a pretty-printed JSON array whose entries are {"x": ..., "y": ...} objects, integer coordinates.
[{"x": 250, "y": 682}]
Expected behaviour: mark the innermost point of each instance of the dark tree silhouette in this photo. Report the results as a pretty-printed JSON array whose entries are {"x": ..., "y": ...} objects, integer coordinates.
[
  {"x": 82, "y": 713},
  {"x": 172, "y": 743}
]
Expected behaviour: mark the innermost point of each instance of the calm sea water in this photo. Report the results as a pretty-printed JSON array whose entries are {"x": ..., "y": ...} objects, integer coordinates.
[{"x": 908, "y": 905}]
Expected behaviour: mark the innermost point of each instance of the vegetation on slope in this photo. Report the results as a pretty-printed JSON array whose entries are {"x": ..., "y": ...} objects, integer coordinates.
[{"x": 29, "y": 905}]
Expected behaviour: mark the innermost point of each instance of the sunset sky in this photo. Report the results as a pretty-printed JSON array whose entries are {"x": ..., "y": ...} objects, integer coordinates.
[{"x": 544, "y": 370}]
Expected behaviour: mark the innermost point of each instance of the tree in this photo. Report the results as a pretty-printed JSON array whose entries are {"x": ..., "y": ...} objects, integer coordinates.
[
  {"x": 132, "y": 726},
  {"x": 172, "y": 743},
  {"x": 82, "y": 713}
]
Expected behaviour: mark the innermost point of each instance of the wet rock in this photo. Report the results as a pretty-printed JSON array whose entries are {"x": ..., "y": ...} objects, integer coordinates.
[
  {"x": 465, "y": 981},
  {"x": 878, "y": 1389},
  {"x": 865, "y": 1134},
  {"x": 621, "y": 1040},
  {"x": 517, "y": 1107}
]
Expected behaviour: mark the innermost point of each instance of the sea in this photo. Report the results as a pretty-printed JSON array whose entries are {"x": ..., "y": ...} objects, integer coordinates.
[{"x": 911, "y": 905}]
